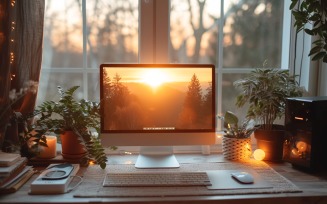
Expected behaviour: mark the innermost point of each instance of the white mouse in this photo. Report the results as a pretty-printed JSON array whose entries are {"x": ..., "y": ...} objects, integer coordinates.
[{"x": 243, "y": 177}]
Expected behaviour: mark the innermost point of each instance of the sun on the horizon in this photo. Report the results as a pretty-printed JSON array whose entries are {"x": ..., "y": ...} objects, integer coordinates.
[{"x": 154, "y": 77}]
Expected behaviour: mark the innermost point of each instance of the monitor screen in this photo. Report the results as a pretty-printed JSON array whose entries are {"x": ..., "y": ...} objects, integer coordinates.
[{"x": 157, "y": 104}]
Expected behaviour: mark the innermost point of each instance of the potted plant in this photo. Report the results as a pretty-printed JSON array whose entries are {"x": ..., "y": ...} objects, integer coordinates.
[
  {"x": 266, "y": 91},
  {"x": 315, "y": 13},
  {"x": 74, "y": 121},
  {"x": 237, "y": 138}
]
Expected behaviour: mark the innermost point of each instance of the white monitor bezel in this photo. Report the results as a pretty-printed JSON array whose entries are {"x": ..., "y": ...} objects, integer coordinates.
[{"x": 159, "y": 138}]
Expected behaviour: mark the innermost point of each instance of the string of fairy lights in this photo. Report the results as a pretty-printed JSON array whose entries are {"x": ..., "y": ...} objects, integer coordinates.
[{"x": 12, "y": 41}]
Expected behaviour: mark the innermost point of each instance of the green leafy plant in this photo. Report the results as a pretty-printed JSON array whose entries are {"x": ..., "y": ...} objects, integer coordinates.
[
  {"x": 266, "y": 91},
  {"x": 232, "y": 127},
  {"x": 315, "y": 13},
  {"x": 82, "y": 117}
]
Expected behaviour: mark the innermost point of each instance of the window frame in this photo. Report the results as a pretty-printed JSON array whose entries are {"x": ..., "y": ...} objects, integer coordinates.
[{"x": 153, "y": 48}]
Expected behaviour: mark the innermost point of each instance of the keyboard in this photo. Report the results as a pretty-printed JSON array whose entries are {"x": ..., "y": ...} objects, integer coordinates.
[{"x": 157, "y": 179}]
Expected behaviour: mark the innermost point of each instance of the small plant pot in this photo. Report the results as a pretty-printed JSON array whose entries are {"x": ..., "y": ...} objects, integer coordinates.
[
  {"x": 71, "y": 146},
  {"x": 271, "y": 142},
  {"x": 237, "y": 148}
]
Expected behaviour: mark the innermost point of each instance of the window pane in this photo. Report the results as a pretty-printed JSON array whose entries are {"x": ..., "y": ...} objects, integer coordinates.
[
  {"x": 253, "y": 33},
  {"x": 112, "y": 31},
  {"x": 93, "y": 88},
  {"x": 49, "y": 82},
  {"x": 63, "y": 44},
  {"x": 194, "y": 31},
  {"x": 229, "y": 94},
  {"x": 112, "y": 36}
]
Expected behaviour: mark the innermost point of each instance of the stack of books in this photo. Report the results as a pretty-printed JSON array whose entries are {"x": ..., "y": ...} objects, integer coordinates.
[{"x": 14, "y": 172}]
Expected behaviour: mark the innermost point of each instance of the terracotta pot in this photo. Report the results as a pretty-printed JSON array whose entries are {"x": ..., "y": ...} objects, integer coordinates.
[
  {"x": 271, "y": 142},
  {"x": 236, "y": 148},
  {"x": 71, "y": 147}
]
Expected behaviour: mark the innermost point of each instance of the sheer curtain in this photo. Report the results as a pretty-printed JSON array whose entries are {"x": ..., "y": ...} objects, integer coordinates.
[{"x": 21, "y": 35}]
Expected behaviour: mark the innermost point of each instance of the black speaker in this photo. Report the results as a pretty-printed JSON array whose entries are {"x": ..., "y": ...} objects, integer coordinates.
[{"x": 305, "y": 144}]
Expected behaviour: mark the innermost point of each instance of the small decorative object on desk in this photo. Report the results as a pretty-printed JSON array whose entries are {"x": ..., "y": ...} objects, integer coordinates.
[{"x": 237, "y": 139}]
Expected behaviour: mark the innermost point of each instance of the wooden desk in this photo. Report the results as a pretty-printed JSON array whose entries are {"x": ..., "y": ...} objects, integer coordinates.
[{"x": 314, "y": 189}]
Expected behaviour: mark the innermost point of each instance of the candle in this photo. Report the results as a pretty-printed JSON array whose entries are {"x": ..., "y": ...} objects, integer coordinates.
[{"x": 50, "y": 151}]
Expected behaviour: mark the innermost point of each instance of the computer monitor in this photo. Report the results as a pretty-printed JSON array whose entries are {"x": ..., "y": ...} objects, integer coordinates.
[{"x": 157, "y": 105}]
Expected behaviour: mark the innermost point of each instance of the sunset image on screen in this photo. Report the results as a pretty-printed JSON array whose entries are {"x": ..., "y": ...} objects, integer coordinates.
[
  {"x": 154, "y": 77},
  {"x": 157, "y": 98}
]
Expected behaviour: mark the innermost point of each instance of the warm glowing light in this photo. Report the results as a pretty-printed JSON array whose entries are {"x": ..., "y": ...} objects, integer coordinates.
[
  {"x": 301, "y": 146},
  {"x": 91, "y": 162},
  {"x": 298, "y": 118},
  {"x": 154, "y": 77},
  {"x": 295, "y": 152},
  {"x": 259, "y": 154},
  {"x": 51, "y": 150},
  {"x": 129, "y": 162},
  {"x": 247, "y": 146},
  {"x": 219, "y": 134}
]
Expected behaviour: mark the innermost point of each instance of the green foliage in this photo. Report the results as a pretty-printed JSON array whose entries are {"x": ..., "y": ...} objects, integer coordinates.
[
  {"x": 315, "y": 13},
  {"x": 82, "y": 117},
  {"x": 266, "y": 90},
  {"x": 233, "y": 129}
]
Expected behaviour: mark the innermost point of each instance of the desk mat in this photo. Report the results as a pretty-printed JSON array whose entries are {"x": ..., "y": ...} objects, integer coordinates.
[{"x": 94, "y": 175}]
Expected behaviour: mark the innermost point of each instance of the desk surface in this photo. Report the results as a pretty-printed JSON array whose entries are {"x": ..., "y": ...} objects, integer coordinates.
[{"x": 314, "y": 189}]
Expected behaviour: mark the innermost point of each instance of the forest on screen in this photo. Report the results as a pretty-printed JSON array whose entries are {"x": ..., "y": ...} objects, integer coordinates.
[{"x": 135, "y": 106}]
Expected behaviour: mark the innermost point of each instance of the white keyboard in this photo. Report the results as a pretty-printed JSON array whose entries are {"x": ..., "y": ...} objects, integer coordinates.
[{"x": 157, "y": 179}]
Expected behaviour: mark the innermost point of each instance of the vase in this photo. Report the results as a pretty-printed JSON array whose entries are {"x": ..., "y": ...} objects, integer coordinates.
[
  {"x": 236, "y": 148},
  {"x": 71, "y": 146}
]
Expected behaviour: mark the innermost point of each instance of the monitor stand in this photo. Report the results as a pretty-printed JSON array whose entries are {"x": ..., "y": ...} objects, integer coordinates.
[{"x": 156, "y": 157}]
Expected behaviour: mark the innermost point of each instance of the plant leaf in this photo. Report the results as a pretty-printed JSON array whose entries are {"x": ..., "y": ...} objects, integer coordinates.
[
  {"x": 294, "y": 2},
  {"x": 314, "y": 50},
  {"x": 319, "y": 56},
  {"x": 230, "y": 118}
]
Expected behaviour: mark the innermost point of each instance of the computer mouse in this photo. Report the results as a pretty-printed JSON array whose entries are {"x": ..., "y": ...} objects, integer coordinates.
[{"x": 243, "y": 177}]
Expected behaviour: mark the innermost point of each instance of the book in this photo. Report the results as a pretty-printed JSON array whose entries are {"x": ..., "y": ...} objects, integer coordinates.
[
  {"x": 8, "y": 170},
  {"x": 7, "y": 173},
  {"x": 14, "y": 184},
  {"x": 7, "y": 159}
]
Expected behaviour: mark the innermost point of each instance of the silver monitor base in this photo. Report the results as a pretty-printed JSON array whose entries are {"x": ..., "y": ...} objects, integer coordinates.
[
  {"x": 162, "y": 157},
  {"x": 156, "y": 161}
]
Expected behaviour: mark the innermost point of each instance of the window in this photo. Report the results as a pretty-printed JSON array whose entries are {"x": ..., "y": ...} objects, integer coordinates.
[
  {"x": 79, "y": 36},
  {"x": 235, "y": 35}
]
